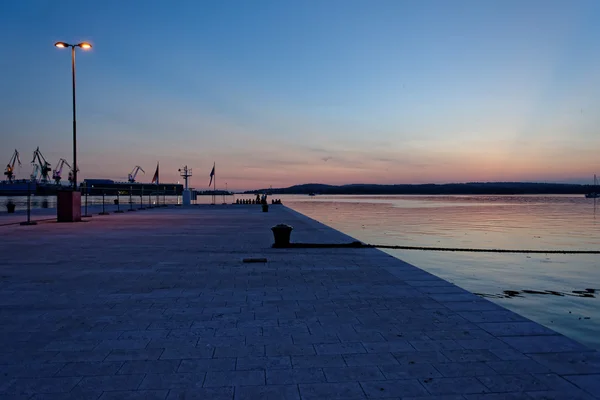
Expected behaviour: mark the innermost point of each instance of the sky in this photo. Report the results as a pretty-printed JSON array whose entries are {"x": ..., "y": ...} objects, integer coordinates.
[{"x": 284, "y": 92}]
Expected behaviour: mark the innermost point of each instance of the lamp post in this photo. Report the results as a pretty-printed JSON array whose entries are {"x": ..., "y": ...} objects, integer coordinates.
[{"x": 85, "y": 46}]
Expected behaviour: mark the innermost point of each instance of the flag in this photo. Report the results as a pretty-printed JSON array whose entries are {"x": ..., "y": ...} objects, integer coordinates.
[
  {"x": 155, "y": 177},
  {"x": 212, "y": 174}
]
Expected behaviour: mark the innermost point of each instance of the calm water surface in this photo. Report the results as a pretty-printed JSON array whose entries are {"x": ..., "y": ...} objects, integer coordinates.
[{"x": 515, "y": 222}]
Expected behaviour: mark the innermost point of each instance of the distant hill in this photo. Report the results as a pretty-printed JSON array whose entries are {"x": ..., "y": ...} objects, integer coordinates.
[{"x": 430, "y": 188}]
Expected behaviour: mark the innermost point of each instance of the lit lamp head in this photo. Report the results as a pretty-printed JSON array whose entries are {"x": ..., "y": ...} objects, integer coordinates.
[{"x": 83, "y": 45}]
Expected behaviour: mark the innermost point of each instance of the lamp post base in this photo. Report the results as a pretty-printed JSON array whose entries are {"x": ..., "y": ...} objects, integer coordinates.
[
  {"x": 68, "y": 206},
  {"x": 29, "y": 223}
]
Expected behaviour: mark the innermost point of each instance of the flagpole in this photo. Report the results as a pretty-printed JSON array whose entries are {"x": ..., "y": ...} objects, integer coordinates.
[
  {"x": 215, "y": 186},
  {"x": 157, "y": 174}
]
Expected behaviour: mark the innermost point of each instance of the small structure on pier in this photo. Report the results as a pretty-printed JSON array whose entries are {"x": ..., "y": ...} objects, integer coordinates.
[{"x": 186, "y": 172}]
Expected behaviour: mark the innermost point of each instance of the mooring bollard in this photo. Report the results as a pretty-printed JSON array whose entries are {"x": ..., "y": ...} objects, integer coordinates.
[
  {"x": 103, "y": 210},
  {"x": 281, "y": 234},
  {"x": 29, "y": 221}
]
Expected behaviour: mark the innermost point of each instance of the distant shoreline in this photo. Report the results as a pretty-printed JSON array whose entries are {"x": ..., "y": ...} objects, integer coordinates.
[{"x": 487, "y": 188}]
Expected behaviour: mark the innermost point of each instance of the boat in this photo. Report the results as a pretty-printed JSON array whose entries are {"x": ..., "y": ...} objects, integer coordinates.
[{"x": 595, "y": 194}]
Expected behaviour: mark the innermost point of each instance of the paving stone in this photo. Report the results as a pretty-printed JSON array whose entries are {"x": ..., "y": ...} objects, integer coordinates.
[
  {"x": 315, "y": 339},
  {"x": 339, "y": 348},
  {"x": 512, "y": 383},
  {"x": 491, "y": 316},
  {"x": 409, "y": 371},
  {"x": 444, "y": 386},
  {"x": 393, "y": 388},
  {"x": 570, "y": 363},
  {"x": 37, "y": 370},
  {"x": 72, "y": 395},
  {"x": 558, "y": 395},
  {"x": 395, "y": 346},
  {"x": 41, "y": 385},
  {"x": 364, "y": 337},
  {"x": 482, "y": 344},
  {"x": 337, "y": 391},
  {"x": 516, "y": 329},
  {"x": 590, "y": 383},
  {"x": 217, "y": 393},
  {"x": 149, "y": 367},
  {"x": 508, "y": 354},
  {"x": 260, "y": 363},
  {"x": 443, "y": 397},
  {"x": 173, "y": 381},
  {"x": 318, "y": 361},
  {"x": 416, "y": 357},
  {"x": 498, "y": 396},
  {"x": 476, "y": 305},
  {"x": 556, "y": 382},
  {"x": 135, "y": 354},
  {"x": 295, "y": 376},
  {"x": 235, "y": 378},
  {"x": 122, "y": 344},
  {"x": 426, "y": 345},
  {"x": 90, "y": 368},
  {"x": 453, "y": 297},
  {"x": 145, "y": 334},
  {"x": 522, "y": 366},
  {"x": 269, "y": 340},
  {"x": 205, "y": 365},
  {"x": 81, "y": 356},
  {"x": 222, "y": 341},
  {"x": 370, "y": 359},
  {"x": 135, "y": 395},
  {"x": 271, "y": 392},
  {"x": 544, "y": 344},
  {"x": 289, "y": 350},
  {"x": 110, "y": 382},
  {"x": 168, "y": 343},
  {"x": 72, "y": 345},
  {"x": 469, "y": 355},
  {"x": 283, "y": 330},
  {"x": 238, "y": 351},
  {"x": 181, "y": 353},
  {"x": 353, "y": 374},
  {"x": 193, "y": 333}
]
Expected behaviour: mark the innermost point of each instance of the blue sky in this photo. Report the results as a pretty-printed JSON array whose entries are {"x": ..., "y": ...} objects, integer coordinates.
[{"x": 285, "y": 92}]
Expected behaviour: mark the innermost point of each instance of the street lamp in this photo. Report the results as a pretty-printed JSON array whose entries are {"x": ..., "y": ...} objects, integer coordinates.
[{"x": 85, "y": 46}]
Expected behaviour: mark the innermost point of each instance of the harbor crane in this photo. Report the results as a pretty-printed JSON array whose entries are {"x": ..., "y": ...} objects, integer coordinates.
[
  {"x": 57, "y": 174},
  {"x": 43, "y": 167},
  {"x": 134, "y": 173},
  {"x": 10, "y": 167}
]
